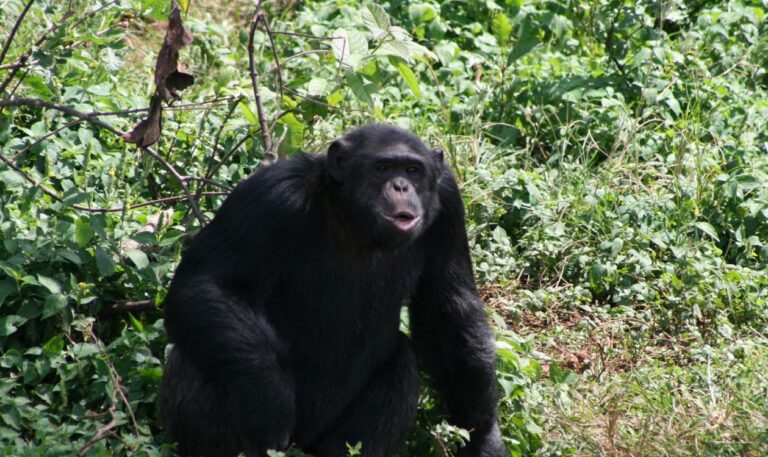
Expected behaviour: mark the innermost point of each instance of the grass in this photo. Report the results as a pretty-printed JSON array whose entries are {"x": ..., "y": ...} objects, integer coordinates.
[{"x": 637, "y": 392}]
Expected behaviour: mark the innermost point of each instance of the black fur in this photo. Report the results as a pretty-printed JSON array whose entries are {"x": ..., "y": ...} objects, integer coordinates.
[{"x": 284, "y": 311}]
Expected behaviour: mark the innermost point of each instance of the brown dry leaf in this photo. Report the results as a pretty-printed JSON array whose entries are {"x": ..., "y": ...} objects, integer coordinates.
[
  {"x": 147, "y": 132},
  {"x": 167, "y": 73}
]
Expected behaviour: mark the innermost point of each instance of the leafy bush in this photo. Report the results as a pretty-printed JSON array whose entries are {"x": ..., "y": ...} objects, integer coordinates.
[{"x": 612, "y": 157}]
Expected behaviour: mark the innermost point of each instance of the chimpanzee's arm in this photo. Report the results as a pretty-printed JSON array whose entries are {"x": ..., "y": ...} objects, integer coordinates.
[
  {"x": 214, "y": 311},
  {"x": 450, "y": 330},
  {"x": 238, "y": 350}
]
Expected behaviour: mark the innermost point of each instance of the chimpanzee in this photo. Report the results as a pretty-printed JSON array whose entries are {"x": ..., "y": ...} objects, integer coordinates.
[{"x": 285, "y": 309}]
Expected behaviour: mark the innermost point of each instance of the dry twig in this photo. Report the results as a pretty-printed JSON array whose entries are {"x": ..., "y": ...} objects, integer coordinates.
[
  {"x": 14, "y": 29},
  {"x": 266, "y": 133}
]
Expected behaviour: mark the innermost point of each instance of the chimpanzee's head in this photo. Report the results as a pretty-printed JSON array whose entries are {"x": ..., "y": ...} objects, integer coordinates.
[{"x": 387, "y": 182}]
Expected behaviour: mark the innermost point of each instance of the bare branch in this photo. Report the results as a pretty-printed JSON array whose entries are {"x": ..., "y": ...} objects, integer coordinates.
[
  {"x": 117, "y": 209},
  {"x": 91, "y": 118},
  {"x": 15, "y": 29},
  {"x": 103, "y": 431},
  {"x": 266, "y": 134},
  {"x": 299, "y": 54},
  {"x": 210, "y": 182},
  {"x": 226, "y": 157},
  {"x": 306, "y": 35},
  {"x": 182, "y": 182},
  {"x": 276, "y": 57},
  {"x": 118, "y": 392},
  {"x": 45, "y": 137},
  {"x": 127, "y": 306},
  {"x": 128, "y": 207},
  {"x": 64, "y": 109},
  {"x": 23, "y": 59}
]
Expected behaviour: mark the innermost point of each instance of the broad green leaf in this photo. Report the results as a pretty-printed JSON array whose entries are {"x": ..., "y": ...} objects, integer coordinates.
[
  {"x": 136, "y": 323},
  {"x": 421, "y": 12},
  {"x": 708, "y": 229},
  {"x": 334, "y": 98},
  {"x": 54, "y": 346},
  {"x": 53, "y": 304},
  {"x": 8, "y": 324},
  {"x": 408, "y": 76},
  {"x": 340, "y": 45},
  {"x": 11, "y": 178},
  {"x": 49, "y": 283},
  {"x": 501, "y": 26},
  {"x": 249, "y": 115},
  {"x": 85, "y": 135},
  {"x": 376, "y": 19},
  {"x": 83, "y": 231},
  {"x": 104, "y": 262},
  {"x": 317, "y": 86},
  {"x": 146, "y": 238},
  {"x": 11, "y": 417},
  {"x": 69, "y": 255},
  {"x": 396, "y": 49},
  {"x": 673, "y": 104},
  {"x": 138, "y": 257},
  {"x": 359, "y": 88},
  {"x": 7, "y": 286},
  {"x": 294, "y": 129},
  {"x": 349, "y": 47},
  {"x": 406, "y": 50},
  {"x": 10, "y": 269},
  {"x": 30, "y": 309}
]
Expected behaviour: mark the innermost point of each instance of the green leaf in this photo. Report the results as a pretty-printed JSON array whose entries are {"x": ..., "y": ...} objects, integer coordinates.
[
  {"x": 421, "y": 13},
  {"x": 249, "y": 115},
  {"x": 708, "y": 229},
  {"x": 7, "y": 286},
  {"x": 49, "y": 283},
  {"x": 8, "y": 324},
  {"x": 406, "y": 50},
  {"x": 294, "y": 129},
  {"x": 334, "y": 98},
  {"x": 136, "y": 323},
  {"x": 376, "y": 19},
  {"x": 138, "y": 257},
  {"x": 501, "y": 26},
  {"x": 674, "y": 105},
  {"x": 349, "y": 47},
  {"x": 54, "y": 346},
  {"x": 69, "y": 255},
  {"x": 340, "y": 45},
  {"x": 11, "y": 178},
  {"x": 11, "y": 416},
  {"x": 104, "y": 262},
  {"x": 317, "y": 86},
  {"x": 53, "y": 304},
  {"x": 30, "y": 309},
  {"x": 358, "y": 87},
  {"x": 408, "y": 76},
  {"x": 9, "y": 269}
]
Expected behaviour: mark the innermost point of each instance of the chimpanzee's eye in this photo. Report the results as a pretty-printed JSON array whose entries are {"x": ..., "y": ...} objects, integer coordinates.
[
  {"x": 382, "y": 167},
  {"x": 413, "y": 169}
]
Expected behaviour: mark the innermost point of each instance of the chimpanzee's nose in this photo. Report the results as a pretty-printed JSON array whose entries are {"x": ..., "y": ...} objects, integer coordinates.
[{"x": 400, "y": 185}]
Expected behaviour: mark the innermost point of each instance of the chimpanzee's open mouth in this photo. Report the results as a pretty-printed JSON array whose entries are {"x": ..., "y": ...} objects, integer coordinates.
[{"x": 404, "y": 221}]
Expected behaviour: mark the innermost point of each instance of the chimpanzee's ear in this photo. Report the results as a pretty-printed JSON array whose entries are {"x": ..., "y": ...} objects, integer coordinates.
[
  {"x": 338, "y": 153},
  {"x": 437, "y": 154}
]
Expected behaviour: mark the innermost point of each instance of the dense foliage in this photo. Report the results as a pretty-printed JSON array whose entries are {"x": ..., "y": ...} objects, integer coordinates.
[{"x": 613, "y": 161}]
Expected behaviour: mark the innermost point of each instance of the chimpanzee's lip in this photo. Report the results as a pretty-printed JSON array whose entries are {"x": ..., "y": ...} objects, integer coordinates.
[{"x": 405, "y": 221}]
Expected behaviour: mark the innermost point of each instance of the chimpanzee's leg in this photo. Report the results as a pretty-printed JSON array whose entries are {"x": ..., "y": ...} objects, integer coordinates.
[
  {"x": 197, "y": 414},
  {"x": 383, "y": 412}
]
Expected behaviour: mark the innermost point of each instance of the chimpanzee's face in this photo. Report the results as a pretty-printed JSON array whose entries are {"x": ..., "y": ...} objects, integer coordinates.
[{"x": 390, "y": 186}]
